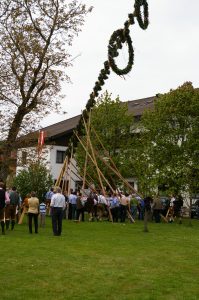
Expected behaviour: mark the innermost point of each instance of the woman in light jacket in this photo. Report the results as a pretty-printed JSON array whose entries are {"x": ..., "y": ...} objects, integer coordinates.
[{"x": 33, "y": 212}]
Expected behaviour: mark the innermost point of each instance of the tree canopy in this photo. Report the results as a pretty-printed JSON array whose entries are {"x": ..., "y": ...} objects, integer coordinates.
[
  {"x": 166, "y": 149},
  {"x": 34, "y": 55},
  {"x": 36, "y": 178}
]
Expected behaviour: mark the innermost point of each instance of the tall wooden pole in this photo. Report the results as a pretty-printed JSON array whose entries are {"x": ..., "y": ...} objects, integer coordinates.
[
  {"x": 65, "y": 165},
  {"x": 69, "y": 180},
  {"x": 114, "y": 168},
  {"x": 86, "y": 158},
  {"x": 87, "y": 175},
  {"x": 93, "y": 155},
  {"x": 99, "y": 172},
  {"x": 94, "y": 162}
]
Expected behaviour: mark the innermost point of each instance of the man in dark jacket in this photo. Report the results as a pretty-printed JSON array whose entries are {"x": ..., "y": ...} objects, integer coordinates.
[
  {"x": 2, "y": 206},
  {"x": 177, "y": 207},
  {"x": 10, "y": 211},
  {"x": 157, "y": 209}
]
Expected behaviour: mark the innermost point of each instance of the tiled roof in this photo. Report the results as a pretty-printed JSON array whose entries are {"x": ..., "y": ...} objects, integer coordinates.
[
  {"x": 61, "y": 127},
  {"x": 137, "y": 107}
]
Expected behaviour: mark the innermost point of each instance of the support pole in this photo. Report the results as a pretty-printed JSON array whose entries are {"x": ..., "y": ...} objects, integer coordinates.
[
  {"x": 65, "y": 166},
  {"x": 101, "y": 174},
  {"x": 114, "y": 168},
  {"x": 86, "y": 158},
  {"x": 69, "y": 180},
  {"x": 94, "y": 162}
]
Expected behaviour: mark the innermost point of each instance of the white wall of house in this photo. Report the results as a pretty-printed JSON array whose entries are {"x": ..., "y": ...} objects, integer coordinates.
[
  {"x": 55, "y": 166},
  {"x": 49, "y": 157},
  {"x": 27, "y": 155}
]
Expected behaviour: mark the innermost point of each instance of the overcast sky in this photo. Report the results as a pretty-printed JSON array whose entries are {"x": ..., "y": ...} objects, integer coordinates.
[{"x": 166, "y": 54}]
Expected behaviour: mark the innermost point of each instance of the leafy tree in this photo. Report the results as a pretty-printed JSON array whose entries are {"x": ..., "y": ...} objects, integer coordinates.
[
  {"x": 166, "y": 149},
  {"x": 36, "y": 178},
  {"x": 112, "y": 122},
  {"x": 35, "y": 37}
]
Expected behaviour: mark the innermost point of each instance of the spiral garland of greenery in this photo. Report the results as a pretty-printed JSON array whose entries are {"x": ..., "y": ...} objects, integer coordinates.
[
  {"x": 115, "y": 43},
  {"x": 117, "y": 39},
  {"x": 142, "y": 22}
]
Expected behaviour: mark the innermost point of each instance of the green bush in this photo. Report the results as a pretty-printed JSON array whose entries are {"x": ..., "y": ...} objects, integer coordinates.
[{"x": 36, "y": 178}]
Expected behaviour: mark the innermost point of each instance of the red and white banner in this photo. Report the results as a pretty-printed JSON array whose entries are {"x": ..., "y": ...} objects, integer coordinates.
[
  {"x": 40, "y": 142},
  {"x": 41, "y": 138}
]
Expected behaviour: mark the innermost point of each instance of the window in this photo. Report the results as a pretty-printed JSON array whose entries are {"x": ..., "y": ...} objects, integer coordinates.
[{"x": 60, "y": 157}]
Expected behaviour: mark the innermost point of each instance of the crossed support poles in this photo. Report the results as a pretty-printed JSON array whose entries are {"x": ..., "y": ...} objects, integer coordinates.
[{"x": 93, "y": 154}]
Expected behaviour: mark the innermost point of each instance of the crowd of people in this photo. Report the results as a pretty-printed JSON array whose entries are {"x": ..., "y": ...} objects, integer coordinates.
[
  {"x": 118, "y": 206},
  {"x": 114, "y": 207}
]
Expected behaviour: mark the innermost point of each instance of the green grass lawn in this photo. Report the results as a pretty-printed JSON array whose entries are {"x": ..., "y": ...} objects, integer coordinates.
[{"x": 101, "y": 261}]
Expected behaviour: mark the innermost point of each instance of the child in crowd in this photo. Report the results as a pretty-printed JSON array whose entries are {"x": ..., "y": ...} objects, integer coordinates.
[{"x": 42, "y": 210}]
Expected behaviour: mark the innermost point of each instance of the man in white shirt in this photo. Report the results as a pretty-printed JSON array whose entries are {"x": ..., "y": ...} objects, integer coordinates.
[
  {"x": 124, "y": 205},
  {"x": 72, "y": 199},
  {"x": 57, "y": 204}
]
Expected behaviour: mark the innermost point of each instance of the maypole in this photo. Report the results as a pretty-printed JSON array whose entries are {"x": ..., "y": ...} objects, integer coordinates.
[
  {"x": 116, "y": 42},
  {"x": 86, "y": 157}
]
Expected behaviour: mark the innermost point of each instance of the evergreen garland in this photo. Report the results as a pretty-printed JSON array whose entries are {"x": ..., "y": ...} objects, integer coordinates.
[
  {"x": 117, "y": 39},
  {"x": 143, "y": 23}
]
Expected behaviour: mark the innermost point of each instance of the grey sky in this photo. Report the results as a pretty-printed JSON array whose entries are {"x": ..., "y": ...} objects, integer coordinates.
[{"x": 166, "y": 54}]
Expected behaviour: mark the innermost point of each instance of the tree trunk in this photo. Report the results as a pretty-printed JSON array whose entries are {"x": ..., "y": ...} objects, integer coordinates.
[
  {"x": 7, "y": 163},
  {"x": 4, "y": 171}
]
